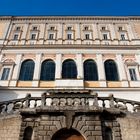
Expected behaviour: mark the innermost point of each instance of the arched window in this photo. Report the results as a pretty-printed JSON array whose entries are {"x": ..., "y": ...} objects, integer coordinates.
[
  {"x": 69, "y": 69},
  {"x": 28, "y": 133},
  {"x": 27, "y": 70},
  {"x": 108, "y": 134},
  {"x": 90, "y": 71},
  {"x": 48, "y": 70},
  {"x": 111, "y": 71}
]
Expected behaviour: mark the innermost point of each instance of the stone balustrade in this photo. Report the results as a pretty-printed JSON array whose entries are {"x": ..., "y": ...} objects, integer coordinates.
[{"x": 69, "y": 101}]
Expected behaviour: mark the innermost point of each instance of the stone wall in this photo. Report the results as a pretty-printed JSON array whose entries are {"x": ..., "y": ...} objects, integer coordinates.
[
  {"x": 130, "y": 127},
  {"x": 10, "y": 127},
  {"x": 91, "y": 127}
]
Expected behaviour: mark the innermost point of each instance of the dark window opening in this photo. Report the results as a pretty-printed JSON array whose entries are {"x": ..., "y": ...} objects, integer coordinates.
[
  {"x": 28, "y": 133},
  {"x": 108, "y": 134},
  {"x": 132, "y": 73},
  {"x": 67, "y": 134},
  {"x": 87, "y": 36},
  {"x": 105, "y": 37},
  {"x": 111, "y": 71},
  {"x": 103, "y": 28},
  {"x": 33, "y": 36},
  {"x": 48, "y": 71},
  {"x": 69, "y": 28},
  {"x": 51, "y": 36},
  {"x": 122, "y": 37},
  {"x": 120, "y": 28},
  {"x": 52, "y": 28},
  {"x": 17, "y": 28},
  {"x": 69, "y": 36},
  {"x": 5, "y": 74},
  {"x": 27, "y": 70},
  {"x": 15, "y": 37},
  {"x": 69, "y": 69},
  {"x": 90, "y": 71},
  {"x": 35, "y": 28},
  {"x": 86, "y": 28}
]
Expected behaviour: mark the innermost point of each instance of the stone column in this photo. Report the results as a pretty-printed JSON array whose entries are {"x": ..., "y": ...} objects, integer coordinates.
[
  {"x": 79, "y": 66},
  {"x": 16, "y": 70},
  {"x": 37, "y": 69},
  {"x": 101, "y": 70},
  {"x": 58, "y": 67}
]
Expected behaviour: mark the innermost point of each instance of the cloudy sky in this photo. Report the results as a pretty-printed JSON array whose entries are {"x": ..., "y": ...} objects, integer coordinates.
[{"x": 70, "y": 7}]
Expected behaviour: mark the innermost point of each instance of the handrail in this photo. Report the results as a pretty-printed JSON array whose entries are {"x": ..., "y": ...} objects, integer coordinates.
[{"x": 69, "y": 100}]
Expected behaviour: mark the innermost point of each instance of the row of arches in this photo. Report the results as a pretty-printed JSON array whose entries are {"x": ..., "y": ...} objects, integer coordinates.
[{"x": 69, "y": 70}]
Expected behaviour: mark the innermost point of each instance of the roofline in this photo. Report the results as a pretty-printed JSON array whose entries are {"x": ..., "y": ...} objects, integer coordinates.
[{"x": 74, "y": 17}]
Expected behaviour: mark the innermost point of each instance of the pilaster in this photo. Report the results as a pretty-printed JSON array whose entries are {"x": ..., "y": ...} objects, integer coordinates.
[
  {"x": 79, "y": 66},
  {"x": 16, "y": 70},
  {"x": 23, "y": 37},
  {"x": 101, "y": 71},
  {"x": 121, "y": 70},
  {"x": 37, "y": 69},
  {"x": 58, "y": 66}
]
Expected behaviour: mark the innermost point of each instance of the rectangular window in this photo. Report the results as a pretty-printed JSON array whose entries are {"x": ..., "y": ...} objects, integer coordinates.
[
  {"x": 69, "y": 28},
  {"x": 15, "y": 37},
  {"x": 132, "y": 73},
  {"x": 33, "y": 36},
  {"x": 86, "y": 28},
  {"x": 35, "y": 28},
  {"x": 17, "y": 28},
  {"x": 52, "y": 28},
  {"x": 69, "y": 36},
  {"x": 87, "y": 36},
  {"x": 51, "y": 36},
  {"x": 105, "y": 36},
  {"x": 5, "y": 74},
  {"x": 120, "y": 28},
  {"x": 122, "y": 36},
  {"x": 103, "y": 28}
]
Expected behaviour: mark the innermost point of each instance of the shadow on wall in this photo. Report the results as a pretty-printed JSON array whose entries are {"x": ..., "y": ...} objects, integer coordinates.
[{"x": 7, "y": 94}]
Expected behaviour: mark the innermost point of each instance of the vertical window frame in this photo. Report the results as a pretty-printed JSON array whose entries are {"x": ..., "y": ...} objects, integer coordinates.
[{"x": 9, "y": 73}]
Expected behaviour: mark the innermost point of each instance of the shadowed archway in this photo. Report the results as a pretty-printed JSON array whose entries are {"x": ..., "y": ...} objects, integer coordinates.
[{"x": 67, "y": 134}]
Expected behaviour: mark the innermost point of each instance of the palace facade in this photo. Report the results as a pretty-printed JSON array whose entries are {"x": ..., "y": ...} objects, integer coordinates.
[{"x": 69, "y": 78}]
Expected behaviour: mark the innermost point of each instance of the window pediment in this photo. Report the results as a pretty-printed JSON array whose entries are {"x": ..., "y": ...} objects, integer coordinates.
[{"x": 130, "y": 62}]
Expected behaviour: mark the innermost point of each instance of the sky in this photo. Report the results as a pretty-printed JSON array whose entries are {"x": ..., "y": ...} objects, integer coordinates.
[{"x": 69, "y": 7}]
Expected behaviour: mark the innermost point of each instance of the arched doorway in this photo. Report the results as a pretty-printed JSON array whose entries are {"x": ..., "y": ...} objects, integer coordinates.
[{"x": 67, "y": 134}]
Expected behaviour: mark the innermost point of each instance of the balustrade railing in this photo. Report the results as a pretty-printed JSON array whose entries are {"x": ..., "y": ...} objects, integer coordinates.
[{"x": 69, "y": 100}]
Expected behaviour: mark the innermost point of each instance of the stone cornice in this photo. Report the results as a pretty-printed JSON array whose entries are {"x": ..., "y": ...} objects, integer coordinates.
[
  {"x": 69, "y": 46},
  {"x": 76, "y": 18}
]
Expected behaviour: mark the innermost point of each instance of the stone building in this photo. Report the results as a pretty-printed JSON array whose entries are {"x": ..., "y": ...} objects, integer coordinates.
[{"x": 69, "y": 78}]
